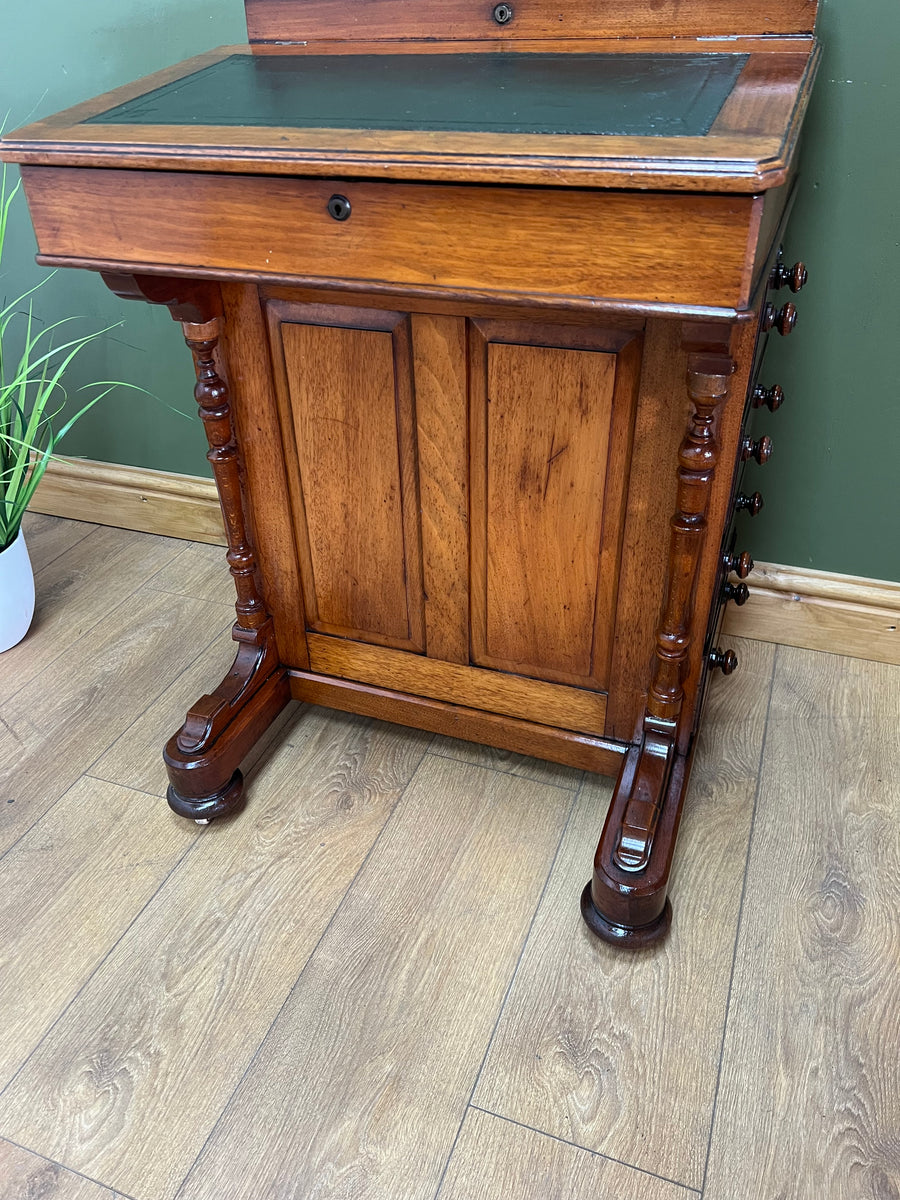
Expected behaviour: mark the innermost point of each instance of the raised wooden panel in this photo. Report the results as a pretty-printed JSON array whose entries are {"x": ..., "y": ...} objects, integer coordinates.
[
  {"x": 347, "y": 395},
  {"x": 546, "y": 513},
  {"x": 299, "y": 20}
]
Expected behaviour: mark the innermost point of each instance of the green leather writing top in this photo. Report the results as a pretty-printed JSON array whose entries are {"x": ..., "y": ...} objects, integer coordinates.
[{"x": 651, "y": 95}]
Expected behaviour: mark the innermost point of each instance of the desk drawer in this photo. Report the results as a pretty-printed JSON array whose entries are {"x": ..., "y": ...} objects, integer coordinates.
[{"x": 666, "y": 248}]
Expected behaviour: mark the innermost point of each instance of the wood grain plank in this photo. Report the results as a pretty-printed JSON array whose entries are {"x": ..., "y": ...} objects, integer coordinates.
[
  {"x": 138, "y": 498},
  {"x": 48, "y": 537},
  {"x": 58, "y": 724},
  {"x": 495, "y": 1158},
  {"x": 56, "y": 919},
  {"x": 546, "y": 429},
  {"x": 263, "y": 452},
  {"x": 663, "y": 408},
  {"x": 818, "y": 623},
  {"x": 536, "y": 769},
  {"x": 27, "y": 1176},
  {"x": 149, "y": 1053},
  {"x": 520, "y": 737},
  {"x": 533, "y": 699},
  {"x": 439, "y": 366},
  {"x": 362, "y": 1084},
  {"x": 455, "y": 237},
  {"x": 352, "y": 410},
  {"x": 618, "y": 1052},
  {"x": 285, "y": 20},
  {"x": 197, "y": 570},
  {"x": 809, "y": 1103},
  {"x": 70, "y": 601}
]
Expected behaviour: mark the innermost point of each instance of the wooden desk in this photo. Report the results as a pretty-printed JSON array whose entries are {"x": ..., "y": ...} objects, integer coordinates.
[{"x": 477, "y": 299}]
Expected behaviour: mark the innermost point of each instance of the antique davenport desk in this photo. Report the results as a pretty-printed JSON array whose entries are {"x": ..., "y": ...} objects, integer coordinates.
[{"x": 477, "y": 297}]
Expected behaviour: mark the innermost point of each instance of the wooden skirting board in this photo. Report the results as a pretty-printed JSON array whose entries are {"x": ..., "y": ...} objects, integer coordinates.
[
  {"x": 180, "y": 506},
  {"x": 818, "y": 610},
  {"x": 815, "y": 610}
]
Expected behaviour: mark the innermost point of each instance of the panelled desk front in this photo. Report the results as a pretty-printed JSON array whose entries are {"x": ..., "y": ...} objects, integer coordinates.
[{"x": 476, "y": 318}]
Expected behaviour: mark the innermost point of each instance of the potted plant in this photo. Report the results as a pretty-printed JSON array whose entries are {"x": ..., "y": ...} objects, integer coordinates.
[{"x": 32, "y": 397}]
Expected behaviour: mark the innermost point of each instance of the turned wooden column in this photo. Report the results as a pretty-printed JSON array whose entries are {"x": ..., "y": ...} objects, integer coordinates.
[
  {"x": 212, "y": 398},
  {"x": 626, "y": 899},
  {"x": 202, "y": 758}
]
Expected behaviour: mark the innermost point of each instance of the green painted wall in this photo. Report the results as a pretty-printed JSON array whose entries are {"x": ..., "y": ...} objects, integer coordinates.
[{"x": 831, "y": 487}]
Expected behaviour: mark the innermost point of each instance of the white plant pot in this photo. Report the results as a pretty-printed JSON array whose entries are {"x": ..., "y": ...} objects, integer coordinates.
[{"x": 16, "y": 593}]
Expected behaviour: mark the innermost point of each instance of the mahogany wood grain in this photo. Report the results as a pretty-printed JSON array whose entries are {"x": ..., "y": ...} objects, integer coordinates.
[
  {"x": 475, "y": 522},
  {"x": 702, "y": 44},
  {"x": 732, "y": 158},
  {"x": 729, "y": 423},
  {"x": 764, "y": 98},
  {"x": 540, "y": 425},
  {"x": 495, "y": 691},
  {"x": 349, "y": 392},
  {"x": 626, "y": 900},
  {"x": 695, "y": 247},
  {"x": 660, "y": 420},
  {"x": 565, "y": 746},
  {"x": 431, "y": 298},
  {"x": 439, "y": 370},
  {"x": 258, "y": 432},
  {"x": 550, "y": 430},
  {"x": 293, "y": 21}
]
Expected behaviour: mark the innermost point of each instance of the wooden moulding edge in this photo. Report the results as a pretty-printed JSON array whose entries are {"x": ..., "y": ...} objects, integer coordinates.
[
  {"x": 796, "y": 606},
  {"x": 585, "y": 751}
]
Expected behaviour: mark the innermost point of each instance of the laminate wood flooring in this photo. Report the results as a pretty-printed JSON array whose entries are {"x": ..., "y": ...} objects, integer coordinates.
[{"x": 374, "y": 983}]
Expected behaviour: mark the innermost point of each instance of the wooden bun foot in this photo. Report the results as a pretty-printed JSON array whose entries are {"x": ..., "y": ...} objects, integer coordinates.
[
  {"x": 632, "y": 936},
  {"x": 204, "y": 808}
]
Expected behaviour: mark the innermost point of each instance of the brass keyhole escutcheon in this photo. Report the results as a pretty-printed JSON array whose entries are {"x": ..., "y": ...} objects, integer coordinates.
[
  {"x": 339, "y": 207},
  {"x": 503, "y": 14}
]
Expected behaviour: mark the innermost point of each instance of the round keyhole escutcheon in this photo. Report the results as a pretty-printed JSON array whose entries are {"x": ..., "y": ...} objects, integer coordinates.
[
  {"x": 339, "y": 208},
  {"x": 503, "y": 14}
]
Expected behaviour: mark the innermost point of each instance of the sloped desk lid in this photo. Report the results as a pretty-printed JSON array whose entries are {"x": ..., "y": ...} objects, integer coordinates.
[{"x": 708, "y": 119}]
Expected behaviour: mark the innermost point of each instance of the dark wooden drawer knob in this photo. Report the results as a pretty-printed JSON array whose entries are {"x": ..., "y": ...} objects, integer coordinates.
[
  {"x": 751, "y": 504},
  {"x": 761, "y": 449},
  {"x": 738, "y": 592},
  {"x": 795, "y": 277},
  {"x": 742, "y": 564},
  {"x": 783, "y": 319},
  {"x": 772, "y": 397},
  {"x": 725, "y": 661}
]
